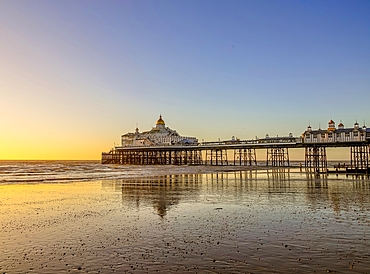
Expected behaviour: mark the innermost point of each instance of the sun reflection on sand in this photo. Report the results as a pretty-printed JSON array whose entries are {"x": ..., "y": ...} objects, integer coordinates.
[{"x": 229, "y": 222}]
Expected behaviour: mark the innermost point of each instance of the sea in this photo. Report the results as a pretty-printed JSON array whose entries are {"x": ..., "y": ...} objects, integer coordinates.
[
  {"x": 48, "y": 171},
  {"x": 85, "y": 217}
]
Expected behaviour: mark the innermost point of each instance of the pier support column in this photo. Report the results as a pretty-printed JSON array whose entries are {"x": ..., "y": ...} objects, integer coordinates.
[
  {"x": 176, "y": 157},
  {"x": 194, "y": 157},
  {"x": 160, "y": 157},
  {"x": 123, "y": 157},
  {"x": 152, "y": 157},
  {"x": 360, "y": 157},
  {"x": 315, "y": 157},
  {"x": 216, "y": 157},
  {"x": 107, "y": 158},
  {"x": 245, "y": 156},
  {"x": 184, "y": 157},
  {"x": 277, "y": 156},
  {"x": 198, "y": 160},
  {"x": 163, "y": 156}
]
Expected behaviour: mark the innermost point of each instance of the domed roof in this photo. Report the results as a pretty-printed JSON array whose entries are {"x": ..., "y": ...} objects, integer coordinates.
[
  {"x": 331, "y": 122},
  {"x": 341, "y": 125},
  {"x": 160, "y": 121}
]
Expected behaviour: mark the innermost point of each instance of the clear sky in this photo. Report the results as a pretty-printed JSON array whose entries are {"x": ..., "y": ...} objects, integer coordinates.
[{"x": 75, "y": 75}]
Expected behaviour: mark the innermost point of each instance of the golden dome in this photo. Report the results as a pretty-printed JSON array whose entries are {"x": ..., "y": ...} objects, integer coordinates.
[{"x": 160, "y": 121}]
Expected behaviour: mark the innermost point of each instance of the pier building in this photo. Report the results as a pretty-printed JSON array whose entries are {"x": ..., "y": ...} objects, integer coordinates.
[
  {"x": 333, "y": 134},
  {"x": 356, "y": 138},
  {"x": 160, "y": 135}
]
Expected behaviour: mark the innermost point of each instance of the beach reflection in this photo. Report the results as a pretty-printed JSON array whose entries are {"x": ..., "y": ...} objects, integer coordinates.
[
  {"x": 161, "y": 193},
  {"x": 326, "y": 192},
  {"x": 262, "y": 221}
]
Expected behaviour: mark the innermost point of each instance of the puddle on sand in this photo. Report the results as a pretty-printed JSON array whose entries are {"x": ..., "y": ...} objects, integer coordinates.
[{"x": 236, "y": 222}]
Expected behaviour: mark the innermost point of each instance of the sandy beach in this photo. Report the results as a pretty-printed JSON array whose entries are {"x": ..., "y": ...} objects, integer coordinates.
[{"x": 244, "y": 221}]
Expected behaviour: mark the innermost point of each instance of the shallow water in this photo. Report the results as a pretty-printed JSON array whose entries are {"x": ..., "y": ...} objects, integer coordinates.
[
  {"x": 48, "y": 171},
  {"x": 36, "y": 172},
  {"x": 231, "y": 222}
]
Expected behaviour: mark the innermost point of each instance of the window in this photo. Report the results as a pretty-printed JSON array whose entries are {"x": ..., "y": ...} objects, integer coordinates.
[
  {"x": 323, "y": 135},
  {"x": 315, "y": 136},
  {"x": 308, "y": 136},
  {"x": 355, "y": 133},
  {"x": 330, "y": 135}
]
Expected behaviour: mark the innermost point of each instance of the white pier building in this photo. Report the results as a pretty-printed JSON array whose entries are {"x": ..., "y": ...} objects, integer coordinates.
[
  {"x": 334, "y": 135},
  {"x": 160, "y": 135}
]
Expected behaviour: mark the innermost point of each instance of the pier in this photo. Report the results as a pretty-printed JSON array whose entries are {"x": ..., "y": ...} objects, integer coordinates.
[
  {"x": 242, "y": 153},
  {"x": 136, "y": 150}
]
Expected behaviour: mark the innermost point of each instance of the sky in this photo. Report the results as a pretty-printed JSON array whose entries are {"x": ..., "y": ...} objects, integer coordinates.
[{"x": 76, "y": 75}]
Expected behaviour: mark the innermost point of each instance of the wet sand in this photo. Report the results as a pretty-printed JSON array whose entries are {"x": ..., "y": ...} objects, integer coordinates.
[{"x": 236, "y": 222}]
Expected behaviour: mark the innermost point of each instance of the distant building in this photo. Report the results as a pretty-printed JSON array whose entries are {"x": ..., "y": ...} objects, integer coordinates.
[
  {"x": 333, "y": 134},
  {"x": 160, "y": 135}
]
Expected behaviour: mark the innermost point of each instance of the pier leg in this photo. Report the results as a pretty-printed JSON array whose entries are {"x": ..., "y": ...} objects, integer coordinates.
[
  {"x": 360, "y": 157},
  {"x": 217, "y": 157},
  {"x": 277, "y": 156},
  {"x": 245, "y": 157},
  {"x": 315, "y": 157}
]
